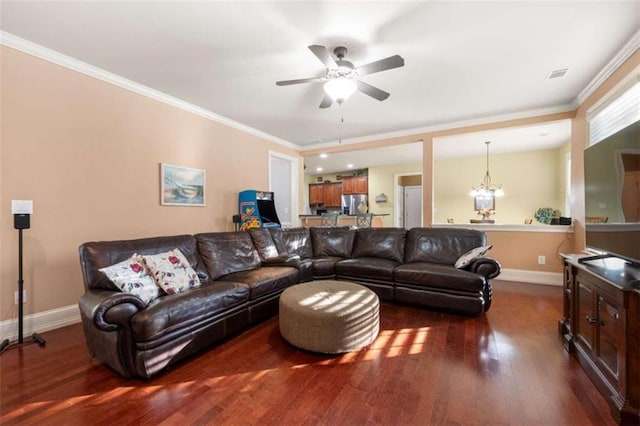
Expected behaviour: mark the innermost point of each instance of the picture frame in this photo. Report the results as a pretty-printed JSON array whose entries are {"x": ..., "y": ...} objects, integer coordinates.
[
  {"x": 182, "y": 186},
  {"x": 484, "y": 202}
]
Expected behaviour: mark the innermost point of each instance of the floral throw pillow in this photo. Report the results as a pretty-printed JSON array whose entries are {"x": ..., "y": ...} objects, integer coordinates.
[
  {"x": 172, "y": 271},
  {"x": 472, "y": 254},
  {"x": 131, "y": 276}
]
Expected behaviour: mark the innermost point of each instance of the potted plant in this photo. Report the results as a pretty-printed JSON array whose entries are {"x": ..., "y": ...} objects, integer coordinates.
[{"x": 545, "y": 214}]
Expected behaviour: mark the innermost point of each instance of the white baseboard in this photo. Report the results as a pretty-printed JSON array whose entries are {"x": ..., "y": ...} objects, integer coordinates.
[
  {"x": 535, "y": 277},
  {"x": 40, "y": 322}
]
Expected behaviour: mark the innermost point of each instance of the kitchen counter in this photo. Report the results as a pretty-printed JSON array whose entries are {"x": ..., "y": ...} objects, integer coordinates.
[{"x": 343, "y": 220}]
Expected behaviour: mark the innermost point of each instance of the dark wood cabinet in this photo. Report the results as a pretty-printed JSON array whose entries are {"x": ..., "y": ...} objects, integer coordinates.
[
  {"x": 601, "y": 327},
  {"x": 333, "y": 195},
  {"x": 326, "y": 194},
  {"x": 355, "y": 184},
  {"x": 316, "y": 194}
]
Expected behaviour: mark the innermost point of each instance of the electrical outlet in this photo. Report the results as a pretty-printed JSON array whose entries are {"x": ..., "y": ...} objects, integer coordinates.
[
  {"x": 24, "y": 297},
  {"x": 542, "y": 260}
]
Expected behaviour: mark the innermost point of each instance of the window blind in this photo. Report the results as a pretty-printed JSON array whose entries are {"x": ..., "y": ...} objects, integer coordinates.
[{"x": 620, "y": 113}]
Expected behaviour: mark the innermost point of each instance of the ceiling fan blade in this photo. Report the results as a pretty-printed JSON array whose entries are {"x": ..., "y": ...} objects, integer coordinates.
[
  {"x": 326, "y": 102},
  {"x": 391, "y": 62},
  {"x": 374, "y": 92},
  {"x": 299, "y": 81},
  {"x": 323, "y": 54}
]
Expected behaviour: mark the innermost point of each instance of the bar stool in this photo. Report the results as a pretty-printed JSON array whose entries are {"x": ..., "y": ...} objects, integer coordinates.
[
  {"x": 363, "y": 220},
  {"x": 329, "y": 219}
]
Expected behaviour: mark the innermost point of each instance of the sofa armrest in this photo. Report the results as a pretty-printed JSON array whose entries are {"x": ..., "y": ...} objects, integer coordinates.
[
  {"x": 283, "y": 260},
  {"x": 485, "y": 266},
  {"x": 109, "y": 310}
]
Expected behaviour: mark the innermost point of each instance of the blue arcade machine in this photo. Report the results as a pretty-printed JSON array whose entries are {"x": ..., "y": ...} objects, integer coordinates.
[{"x": 257, "y": 210}]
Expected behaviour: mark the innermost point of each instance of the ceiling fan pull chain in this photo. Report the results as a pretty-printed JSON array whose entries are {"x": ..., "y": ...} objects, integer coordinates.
[{"x": 340, "y": 124}]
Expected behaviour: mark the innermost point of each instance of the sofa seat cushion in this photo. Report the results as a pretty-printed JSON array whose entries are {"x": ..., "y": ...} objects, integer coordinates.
[
  {"x": 441, "y": 245},
  {"x": 266, "y": 280},
  {"x": 368, "y": 268},
  {"x": 438, "y": 276},
  {"x": 383, "y": 243},
  {"x": 325, "y": 267},
  {"x": 178, "y": 312},
  {"x": 100, "y": 254},
  {"x": 224, "y": 253},
  {"x": 293, "y": 241},
  {"x": 332, "y": 241}
]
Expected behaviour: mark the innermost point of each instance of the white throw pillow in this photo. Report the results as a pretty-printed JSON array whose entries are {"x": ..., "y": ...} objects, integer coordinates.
[
  {"x": 131, "y": 276},
  {"x": 472, "y": 254},
  {"x": 172, "y": 271}
]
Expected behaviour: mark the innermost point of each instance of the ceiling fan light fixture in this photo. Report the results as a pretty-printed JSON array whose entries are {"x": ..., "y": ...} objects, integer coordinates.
[{"x": 340, "y": 89}]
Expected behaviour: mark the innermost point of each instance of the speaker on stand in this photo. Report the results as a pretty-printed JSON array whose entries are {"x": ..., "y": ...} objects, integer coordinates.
[{"x": 21, "y": 221}]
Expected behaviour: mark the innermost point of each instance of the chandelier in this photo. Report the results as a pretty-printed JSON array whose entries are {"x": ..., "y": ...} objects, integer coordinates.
[{"x": 486, "y": 188}]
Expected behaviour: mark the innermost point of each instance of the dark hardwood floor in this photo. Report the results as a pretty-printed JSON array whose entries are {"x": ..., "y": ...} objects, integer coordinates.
[{"x": 507, "y": 367}]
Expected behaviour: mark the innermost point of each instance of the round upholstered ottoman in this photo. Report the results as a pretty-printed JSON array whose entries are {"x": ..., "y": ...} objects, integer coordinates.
[{"x": 329, "y": 316}]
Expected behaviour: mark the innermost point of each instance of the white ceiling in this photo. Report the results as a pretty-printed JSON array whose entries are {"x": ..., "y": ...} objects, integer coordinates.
[{"x": 465, "y": 61}]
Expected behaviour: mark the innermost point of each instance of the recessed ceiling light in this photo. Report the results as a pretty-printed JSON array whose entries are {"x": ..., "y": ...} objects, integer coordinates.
[
  {"x": 323, "y": 155},
  {"x": 350, "y": 166},
  {"x": 318, "y": 169}
]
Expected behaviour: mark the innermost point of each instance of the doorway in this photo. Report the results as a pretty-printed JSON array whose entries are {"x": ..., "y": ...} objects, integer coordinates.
[
  {"x": 408, "y": 200},
  {"x": 283, "y": 182},
  {"x": 630, "y": 186}
]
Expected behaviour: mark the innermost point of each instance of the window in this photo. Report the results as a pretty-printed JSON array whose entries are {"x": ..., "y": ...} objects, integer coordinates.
[{"x": 616, "y": 113}]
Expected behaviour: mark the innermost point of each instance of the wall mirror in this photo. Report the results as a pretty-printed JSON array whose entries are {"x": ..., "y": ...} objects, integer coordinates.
[{"x": 484, "y": 202}]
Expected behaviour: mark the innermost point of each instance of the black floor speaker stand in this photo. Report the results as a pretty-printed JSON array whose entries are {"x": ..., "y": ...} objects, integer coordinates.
[{"x": 35, "y": 337}]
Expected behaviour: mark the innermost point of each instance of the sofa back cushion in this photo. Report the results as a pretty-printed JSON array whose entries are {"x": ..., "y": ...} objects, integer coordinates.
[
  {"x": 263, "y": 243},
  {"x": 441, "y": 245},
  {"x": 332, "y": 241},
  {"x": 383, "y": 243},
  {"x": 293, "y": 241},
  {"x": 100, "y": 254},
  {"x": 224, "y": 253}
]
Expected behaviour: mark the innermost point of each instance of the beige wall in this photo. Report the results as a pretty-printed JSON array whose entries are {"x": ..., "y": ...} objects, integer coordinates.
[
  {"x": 381, "y": 181},
  {"x": 530, "y": 181},
  {"x": 88, "y": 154}
]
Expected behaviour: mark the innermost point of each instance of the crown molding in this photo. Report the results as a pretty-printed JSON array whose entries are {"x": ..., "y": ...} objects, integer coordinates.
[
  {"x": 625, "y": 53},
  {"x": 58, "y": 58}
]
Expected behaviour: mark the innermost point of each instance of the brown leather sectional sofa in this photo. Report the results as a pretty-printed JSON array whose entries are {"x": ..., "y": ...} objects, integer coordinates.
[{"x": 243, "y": 274}]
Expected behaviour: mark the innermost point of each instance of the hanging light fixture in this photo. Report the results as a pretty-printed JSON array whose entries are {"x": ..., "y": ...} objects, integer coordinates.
[
  {"x": 340, "y": 88},
  {"x": 486, "y": 188}
]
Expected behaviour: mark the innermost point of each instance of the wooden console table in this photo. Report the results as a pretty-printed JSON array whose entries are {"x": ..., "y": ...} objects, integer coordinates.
[{"x": 601, "y": 328}]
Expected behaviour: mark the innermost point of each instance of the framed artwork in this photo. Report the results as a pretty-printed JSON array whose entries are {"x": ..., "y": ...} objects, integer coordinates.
[
  {"x": 181, "y": 186},
  {"x": 484, "y": 202}
]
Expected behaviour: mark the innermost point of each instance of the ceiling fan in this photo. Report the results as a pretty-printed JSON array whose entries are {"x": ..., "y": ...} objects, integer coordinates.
[{"x": 342, "y": 78}]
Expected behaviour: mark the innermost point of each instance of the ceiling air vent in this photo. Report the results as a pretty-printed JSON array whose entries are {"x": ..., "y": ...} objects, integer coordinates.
[{"x": 559, "y": 73}]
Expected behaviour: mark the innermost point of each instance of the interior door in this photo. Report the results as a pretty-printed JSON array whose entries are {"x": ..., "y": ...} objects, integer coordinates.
[
  {"x": 282, "y": 182},
  {"x": 412, "y": 215}
]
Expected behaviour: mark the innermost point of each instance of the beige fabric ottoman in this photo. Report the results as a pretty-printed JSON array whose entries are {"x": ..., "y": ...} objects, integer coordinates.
[{"x": 329, "y": 316}]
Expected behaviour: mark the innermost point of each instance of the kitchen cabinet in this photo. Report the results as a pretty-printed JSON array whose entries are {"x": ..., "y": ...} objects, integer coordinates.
[
  {"x": 355, "y": 184},
  {"x": 333, "y": 195},
  {"x": 316, "y": 194},
  {"x": 601, "y": 325},
  {"x": 326, "y": 194}
]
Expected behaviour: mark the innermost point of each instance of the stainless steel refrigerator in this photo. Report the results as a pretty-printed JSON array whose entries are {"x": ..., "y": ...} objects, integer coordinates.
[{"x": 350, "y": 203}]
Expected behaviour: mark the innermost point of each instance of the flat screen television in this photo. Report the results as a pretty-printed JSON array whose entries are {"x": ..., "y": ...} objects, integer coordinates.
[{"x": 612, "y": 195}]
